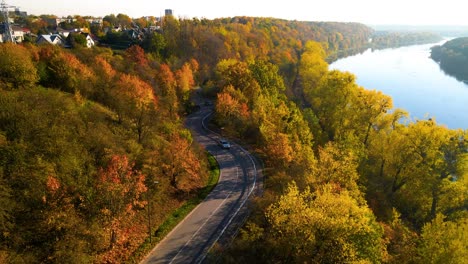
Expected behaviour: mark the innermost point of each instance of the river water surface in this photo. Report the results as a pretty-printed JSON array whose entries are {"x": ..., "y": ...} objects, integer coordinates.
[{"x": 414, "y": 81}]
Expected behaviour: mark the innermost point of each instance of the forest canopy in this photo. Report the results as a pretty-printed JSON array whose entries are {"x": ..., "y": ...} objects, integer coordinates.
[{"x": 85, "y": 135}]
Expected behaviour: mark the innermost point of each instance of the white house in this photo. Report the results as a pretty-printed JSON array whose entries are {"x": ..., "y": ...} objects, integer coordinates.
[
  {"x": 54, "y": 39},
  {"x": 89, "y": 40},
  {"x": 18, "y": 33},
  {"x": 65, "y": 32}
]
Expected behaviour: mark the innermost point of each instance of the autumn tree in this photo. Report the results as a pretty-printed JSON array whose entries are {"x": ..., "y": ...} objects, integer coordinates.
[
  {"x": 323, "y": 226},
  {"x": 444, "y": 241},
  {"x": 64, "y": 71},
  {"x": 134, "y": 99},
  {"x": 238, "y": 74},
  {"x": 5, "y": 203},
  {"x": 280, "y": 122},
  {"x": 124, "y": 20},
  {"x": 416, "y": 165},
  {"x": 136, "y": 55},
  {"x": 166, "y": 82},
  {"x": 185, "y": 81},
  {"x": 179, "y": 162},
  {"x": 120, "y": 188},
  {"x": 312, "y": 67},
  {"x": 17, "y": 68},
  {"x": 232, "y": 111},
  {"x": 278, "y": 146},
  {"x": 107, "y": 78},
  {"x": 333, "y": 101},
  {"x": 372, "y": 107},
  {"x": 401, "y": 240},
  {"x": 337, "y": 167}
]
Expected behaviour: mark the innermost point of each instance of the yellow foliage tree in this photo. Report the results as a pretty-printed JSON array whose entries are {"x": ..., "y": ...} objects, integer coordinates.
[
  {"x": 16, "y": 66},
  {"x": 325, "y": 226}
]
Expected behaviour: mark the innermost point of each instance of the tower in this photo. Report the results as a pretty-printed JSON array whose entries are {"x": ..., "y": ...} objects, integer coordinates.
[
  {"x": 168, "y": 12},
  {"x": 6, "y": 22}
]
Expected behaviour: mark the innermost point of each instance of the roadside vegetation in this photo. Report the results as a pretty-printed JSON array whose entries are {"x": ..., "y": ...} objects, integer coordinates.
[{"x": 179, "y": 214}]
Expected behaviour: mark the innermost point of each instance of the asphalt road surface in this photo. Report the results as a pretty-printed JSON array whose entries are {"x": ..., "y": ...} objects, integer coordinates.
[{"x": 210, "y": 221}]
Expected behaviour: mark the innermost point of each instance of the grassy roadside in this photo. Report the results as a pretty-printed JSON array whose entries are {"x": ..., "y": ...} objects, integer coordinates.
[{"x": 179, "y": 214}]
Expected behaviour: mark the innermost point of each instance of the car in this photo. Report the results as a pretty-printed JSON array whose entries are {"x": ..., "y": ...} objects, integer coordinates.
[{"x": 224, "y": 144}]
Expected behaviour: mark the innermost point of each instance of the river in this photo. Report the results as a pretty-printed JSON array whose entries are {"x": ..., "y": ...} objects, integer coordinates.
[{"x": 414, "y": 81}]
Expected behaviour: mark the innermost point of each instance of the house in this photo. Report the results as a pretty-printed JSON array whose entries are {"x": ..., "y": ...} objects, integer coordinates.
[
  {"x": 135, "y": 34},
  {"x": 65, "y": 32},
  {"x": 18, "y": 33},
  {"x": 56, "y": 21},
  {"x": 95, "y": 21},
  {"x": 90, "y": 40},
  {"x": 54, "y": 39}
]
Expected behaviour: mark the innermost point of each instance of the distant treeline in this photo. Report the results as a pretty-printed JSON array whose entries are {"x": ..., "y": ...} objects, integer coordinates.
[
  {"x": 384, "y": 39},
  {"x": 453, "y": 57}
]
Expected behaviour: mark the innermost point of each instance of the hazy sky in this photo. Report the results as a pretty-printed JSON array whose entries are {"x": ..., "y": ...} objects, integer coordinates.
[{"x": 414, "y": 12}]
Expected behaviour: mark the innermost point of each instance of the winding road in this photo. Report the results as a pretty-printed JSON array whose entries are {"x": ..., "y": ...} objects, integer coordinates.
[{"x": 220, "y": 215}]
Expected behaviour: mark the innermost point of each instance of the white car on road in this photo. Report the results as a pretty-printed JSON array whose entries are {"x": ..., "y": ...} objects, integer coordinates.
[{"x": 224, "y": 144}]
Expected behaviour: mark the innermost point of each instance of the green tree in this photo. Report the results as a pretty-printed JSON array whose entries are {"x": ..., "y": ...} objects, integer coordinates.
[
  {"x": 155, "y": 44},
  {"x": 77, "y": 40},
  {"x": 267, "y": 76},
  {"x": 111, "y": 19}
]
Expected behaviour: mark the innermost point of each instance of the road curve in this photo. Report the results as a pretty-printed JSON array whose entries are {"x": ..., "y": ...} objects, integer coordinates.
[{"x": 191, "y": 239}]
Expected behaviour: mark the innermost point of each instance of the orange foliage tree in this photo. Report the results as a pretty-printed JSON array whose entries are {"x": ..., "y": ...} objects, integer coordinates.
[
  {"x": 64, "y": 71},
  {"x": 166, "y": 82},
  {"x": 180, "y": 163},
  {"x": 120, "y": 188},
  {"x": 134, "y": 99}
]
